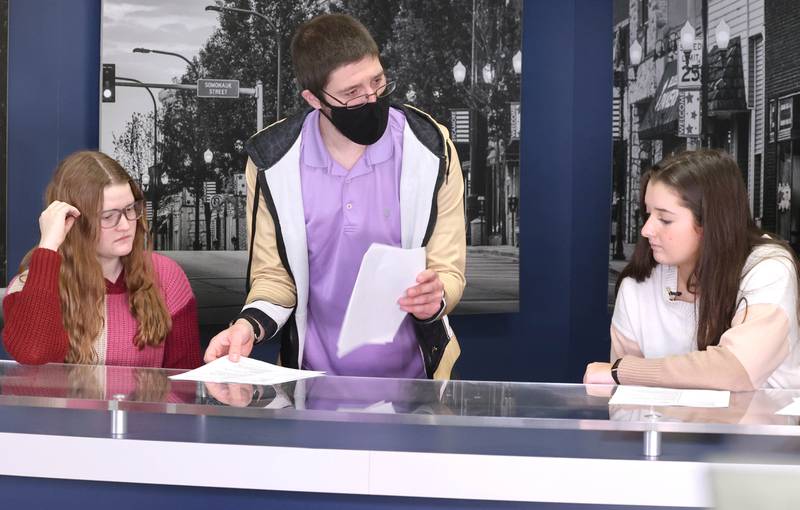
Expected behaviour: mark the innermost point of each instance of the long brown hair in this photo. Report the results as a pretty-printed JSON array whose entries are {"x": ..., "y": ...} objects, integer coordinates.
[
  {"x": 709, "y": 184},
  {"x": 79, "y": 180}
]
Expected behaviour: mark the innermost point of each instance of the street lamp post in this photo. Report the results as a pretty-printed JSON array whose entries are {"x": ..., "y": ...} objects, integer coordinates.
[
  {"x": 623, "y": 81},
  {"x": 513, "y": 199},
  {"x": 273, "y": 26},
  {"x": 197, "y": 111},
  {"x": 208, "y": 157},
  {"x": 178, "y": 55},
  {"x": 239, "y": 146},
  {"x": 495, "y": 203},
  {"x": 722, "y": 36},
  {"x": 492, "y": 189},
  {"x": 492, "y": 194},
  {"x": 704, "y": 78},
  {"x": 153, "y": 194},
  {"x": 460, "y": 75}
]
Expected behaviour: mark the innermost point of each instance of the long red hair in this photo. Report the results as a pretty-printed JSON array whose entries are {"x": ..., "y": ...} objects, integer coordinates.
[{"x": 80, "y": 180}]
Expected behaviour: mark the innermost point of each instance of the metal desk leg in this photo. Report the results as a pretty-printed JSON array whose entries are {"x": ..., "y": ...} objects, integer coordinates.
[
  {"x": 652, "y": 444},
  {"x": 119, "y": 418}
]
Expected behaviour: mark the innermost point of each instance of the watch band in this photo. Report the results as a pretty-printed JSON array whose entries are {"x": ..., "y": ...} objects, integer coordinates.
[
  {"x": 614, "y": 370},
  {"x": 254, "y": 324}
]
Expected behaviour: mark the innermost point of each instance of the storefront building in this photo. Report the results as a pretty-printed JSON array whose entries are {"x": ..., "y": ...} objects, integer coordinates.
[{"x": 782, "y": 152}]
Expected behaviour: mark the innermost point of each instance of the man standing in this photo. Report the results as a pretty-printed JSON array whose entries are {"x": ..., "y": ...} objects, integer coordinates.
[{"x": 322, "y": 186}]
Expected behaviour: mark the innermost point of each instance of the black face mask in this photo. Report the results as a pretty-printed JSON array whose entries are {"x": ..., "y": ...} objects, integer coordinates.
[{"x": 364, "y": 125}]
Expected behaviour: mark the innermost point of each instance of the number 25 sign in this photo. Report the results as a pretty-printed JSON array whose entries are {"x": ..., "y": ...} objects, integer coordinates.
[{"x": 689, "y": 71}]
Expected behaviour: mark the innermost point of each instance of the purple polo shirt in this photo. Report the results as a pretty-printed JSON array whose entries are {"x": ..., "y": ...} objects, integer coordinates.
[{"x": 345, "y": 212}]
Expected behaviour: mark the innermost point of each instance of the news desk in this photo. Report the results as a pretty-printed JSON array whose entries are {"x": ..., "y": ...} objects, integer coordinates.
[{"x": 131, "y": 437}]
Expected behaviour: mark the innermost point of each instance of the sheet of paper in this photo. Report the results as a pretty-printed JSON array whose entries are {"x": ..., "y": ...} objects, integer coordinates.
[
  {"x": 646, "y": 396},
  {"x": 246, "y": 371},
  {"x": 381, "y": 407},
  {"x": 792, "y": 409},
  {"x": 373, "y": 315}
]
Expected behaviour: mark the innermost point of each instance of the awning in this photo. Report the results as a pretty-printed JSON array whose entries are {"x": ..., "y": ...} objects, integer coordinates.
[
  {"x": 661, "y": 117},
  {"x": 726, "y": 91}
]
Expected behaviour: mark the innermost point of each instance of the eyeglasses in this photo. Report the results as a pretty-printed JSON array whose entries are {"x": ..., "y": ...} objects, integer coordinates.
[
  {"x": 357, "y": 102},
  {"x": 111, "y": 217}
]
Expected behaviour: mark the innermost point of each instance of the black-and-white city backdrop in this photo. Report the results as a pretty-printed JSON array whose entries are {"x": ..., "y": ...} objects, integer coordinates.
[
  {"x": 187, "y": 82},
  {"x": 706, "y": 73}
]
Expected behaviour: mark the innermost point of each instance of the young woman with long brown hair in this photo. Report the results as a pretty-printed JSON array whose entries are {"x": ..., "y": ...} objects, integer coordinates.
[
  {"x": 92, "y": 291},
  {"x": 708, "y": 299}
]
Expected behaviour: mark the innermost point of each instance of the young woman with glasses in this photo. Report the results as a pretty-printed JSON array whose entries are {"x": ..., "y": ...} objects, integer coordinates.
[{"x": 92, "y": 291}]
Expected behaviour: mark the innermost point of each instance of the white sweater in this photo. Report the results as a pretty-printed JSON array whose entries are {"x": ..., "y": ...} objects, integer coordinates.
[{"x": 657, "y": 337}]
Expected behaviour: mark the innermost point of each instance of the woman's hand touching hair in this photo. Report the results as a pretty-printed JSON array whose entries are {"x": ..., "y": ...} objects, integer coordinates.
[{"x": 55, "y": 222}]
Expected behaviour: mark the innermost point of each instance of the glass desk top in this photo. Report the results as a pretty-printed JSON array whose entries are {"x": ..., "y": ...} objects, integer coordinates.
[{"x": 396, "y": 401}]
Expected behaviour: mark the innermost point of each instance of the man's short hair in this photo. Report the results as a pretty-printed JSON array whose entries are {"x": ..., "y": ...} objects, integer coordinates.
[{"x": 326, "y": 42}]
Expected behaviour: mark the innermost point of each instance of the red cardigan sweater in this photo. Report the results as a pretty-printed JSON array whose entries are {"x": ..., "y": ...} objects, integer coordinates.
[{"x": 34, "y": 332}]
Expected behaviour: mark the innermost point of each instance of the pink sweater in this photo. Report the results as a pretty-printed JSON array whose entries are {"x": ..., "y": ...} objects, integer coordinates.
[{"x": 34, "y": 331}]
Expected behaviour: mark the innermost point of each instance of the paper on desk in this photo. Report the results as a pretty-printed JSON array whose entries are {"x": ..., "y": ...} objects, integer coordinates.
[
  {"x": 381, "y": 407},
  {"x": 246, "y": 371},
  {"x": 792, "y": 409},
  {"x": 646, "y": 396},
  {"x": 373, "y": 315}
]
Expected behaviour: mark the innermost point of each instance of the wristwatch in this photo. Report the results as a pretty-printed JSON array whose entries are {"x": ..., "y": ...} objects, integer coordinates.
[
  {"x": 257, "y": 332},
  {"x": 614, "y": 369}
]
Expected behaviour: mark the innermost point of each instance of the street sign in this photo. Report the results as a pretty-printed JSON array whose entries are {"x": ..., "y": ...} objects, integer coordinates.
[
  {"x": 516, "y": 120},
  {"x": 209, "y": 189},
  {"x": 689, "y": 72},
  {"x": 241, "y": 184},
  {"x": 226, "y": 89},
  {"x": 459, "y": 125},
  {"x": 616, "y": 118},
  {"x": 689, "y": 113}
]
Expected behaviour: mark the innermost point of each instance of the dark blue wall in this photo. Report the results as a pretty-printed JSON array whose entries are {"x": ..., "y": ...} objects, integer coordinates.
[
  {"x": 54, "y": 63},
  {"x": 53, "y": 108},
  {"x": 565, "y": 205}
]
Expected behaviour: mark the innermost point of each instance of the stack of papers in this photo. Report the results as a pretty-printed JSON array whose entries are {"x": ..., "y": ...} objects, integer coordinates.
[
  {"x": 246, "y": 371},
  {"x": 792, "y": 409},
  {"x": 646, "y": 396},
  {"x": 373, "y": 315}
]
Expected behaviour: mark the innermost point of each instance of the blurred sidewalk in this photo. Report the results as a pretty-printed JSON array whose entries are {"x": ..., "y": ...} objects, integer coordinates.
[
  {"x": 218, "y": 281},
  {"x": 500, "y": 251}
]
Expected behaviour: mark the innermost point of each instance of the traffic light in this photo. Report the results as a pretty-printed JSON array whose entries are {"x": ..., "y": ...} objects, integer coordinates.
[{"x": 109, "y": 76}]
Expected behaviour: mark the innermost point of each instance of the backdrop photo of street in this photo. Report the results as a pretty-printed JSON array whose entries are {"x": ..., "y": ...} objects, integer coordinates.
[
  {"x": 186, "y": 82},
  {"x": 706, "y": 73}
]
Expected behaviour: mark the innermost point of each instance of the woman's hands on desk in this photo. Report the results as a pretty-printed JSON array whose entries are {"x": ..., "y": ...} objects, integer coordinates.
[
  {"x": 598, "y": 373},
  {"x": 424, "y": 300}
]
